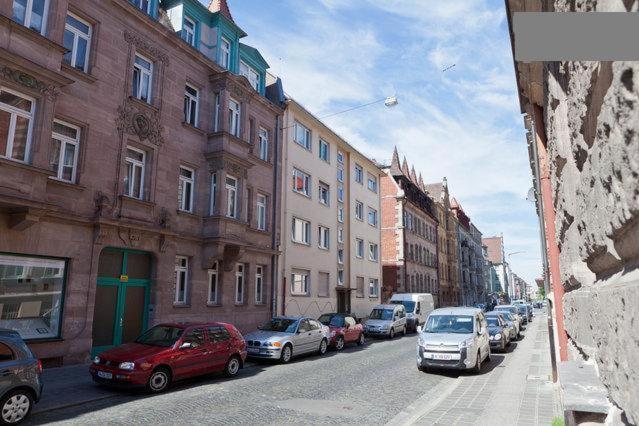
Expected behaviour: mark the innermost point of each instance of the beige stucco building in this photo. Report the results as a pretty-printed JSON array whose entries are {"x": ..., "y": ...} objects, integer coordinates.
[{"x": 330, "y": 221}]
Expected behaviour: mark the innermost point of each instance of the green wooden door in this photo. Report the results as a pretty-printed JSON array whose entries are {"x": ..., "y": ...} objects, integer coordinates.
[{"x": 121, "y": 299}]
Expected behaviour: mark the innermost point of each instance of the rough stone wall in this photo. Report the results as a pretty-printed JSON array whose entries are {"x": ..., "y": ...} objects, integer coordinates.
[{"x": 592, "y": 125}]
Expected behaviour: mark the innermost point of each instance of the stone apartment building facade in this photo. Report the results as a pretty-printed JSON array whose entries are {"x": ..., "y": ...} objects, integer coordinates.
[
  {"x": 409, "y": 233},
  {"x": 330, "y": 222},
  {"x": 138, "y": 172},
  {"x": 499, "y": 269}
]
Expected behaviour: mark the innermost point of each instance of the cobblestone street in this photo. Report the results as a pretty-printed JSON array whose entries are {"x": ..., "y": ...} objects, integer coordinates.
[{"x": 377, "y": 383}]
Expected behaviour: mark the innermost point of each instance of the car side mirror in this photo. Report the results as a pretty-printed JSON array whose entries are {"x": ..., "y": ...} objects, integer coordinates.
[
  {"x": 419, "y": 328},
  {"x": 186, "y": 345}
]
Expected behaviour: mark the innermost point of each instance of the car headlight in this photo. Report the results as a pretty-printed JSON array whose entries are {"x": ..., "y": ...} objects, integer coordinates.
[
  {"x": 96, "y": 360},
  {"x": 274, "y": 344},
  {"x": 497, "y": 336},
  {"x": 126, "y": 366},
  {"x": 466, "y": 343},
  {"x": 421, "y": 341}
]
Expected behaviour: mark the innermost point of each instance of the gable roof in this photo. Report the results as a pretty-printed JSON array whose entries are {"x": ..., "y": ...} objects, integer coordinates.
[
  {"x": 253, "y": 54},
  {"x": 222, "y": 7},
  {"x": 435, "y": 190}
]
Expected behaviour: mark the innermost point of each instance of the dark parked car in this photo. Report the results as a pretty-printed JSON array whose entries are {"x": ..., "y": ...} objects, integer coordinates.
[
  {"x": 169, "y": 352},
  {"x": 498, "y": 332},
  {"x": 20, "y": 381},
  {"x": 343, "y": 329}
]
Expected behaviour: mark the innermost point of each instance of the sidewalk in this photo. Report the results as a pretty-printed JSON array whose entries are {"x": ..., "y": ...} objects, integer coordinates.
[{"x": 516, "y": 389}]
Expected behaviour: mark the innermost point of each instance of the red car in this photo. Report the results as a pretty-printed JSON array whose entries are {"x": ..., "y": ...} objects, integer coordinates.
[
  {"x": 169, "y": 352},
  {"x": 343, "y": 329}
]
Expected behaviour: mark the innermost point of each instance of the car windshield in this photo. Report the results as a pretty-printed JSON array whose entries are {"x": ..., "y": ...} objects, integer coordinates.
[
  {"x": 332, "y": 320},
  {"x": 506, "y": 309},
  {"x": 493, "y": 321},
  {"x": 522, "y": 308},
  {"x": 283, "y": 325},
  {"x": 459, "y": 324},
  {"x": 160, "y": 335},
  {"x": 408, "y": 304},
  {"x": 381, "y": 314}
]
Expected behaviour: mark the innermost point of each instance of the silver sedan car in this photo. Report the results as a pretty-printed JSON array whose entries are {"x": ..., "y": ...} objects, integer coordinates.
[{"x": 282, "y": 338}]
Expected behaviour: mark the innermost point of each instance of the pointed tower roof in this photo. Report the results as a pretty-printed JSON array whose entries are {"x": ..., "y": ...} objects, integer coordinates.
[
  {"x": 395, "y": 168},
  {"x": 453, "y": 203},
  {"x": 413, "y": 175},
  {"x": 405, "y": 170},
  {"x": 421, "y": 182},
  {"x": 222, "y": 7}
]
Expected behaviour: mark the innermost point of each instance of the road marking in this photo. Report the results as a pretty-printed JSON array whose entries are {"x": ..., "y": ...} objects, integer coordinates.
[{"x": 425, "y": 403}]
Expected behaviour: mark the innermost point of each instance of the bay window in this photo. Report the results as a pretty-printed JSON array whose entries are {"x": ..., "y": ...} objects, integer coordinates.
[
  {"x": 16, "y": 124},
  {"x": 63, "y": 157}
]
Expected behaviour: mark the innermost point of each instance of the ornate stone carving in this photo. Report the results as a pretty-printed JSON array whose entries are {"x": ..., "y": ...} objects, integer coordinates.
[
  {"x": 29, "y": 81},
  {"x": 145, "y": 124},
  {"x": 163, "y": 243},
  {"x": 229, "y": 166},
  {"x": 101, "y": 203},
  {"x": 164, "y": 218},
  {"x": 143, "y": 44},
  {"x": 130, "y": 237}
]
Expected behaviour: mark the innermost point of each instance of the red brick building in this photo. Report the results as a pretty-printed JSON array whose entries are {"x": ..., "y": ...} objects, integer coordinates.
[{"x": 138, "y": 172}]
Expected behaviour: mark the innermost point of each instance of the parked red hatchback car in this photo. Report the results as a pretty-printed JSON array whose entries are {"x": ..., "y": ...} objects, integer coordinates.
[
  {"x": 170, "y": 352},
  {"x": 343, "y": 329}
]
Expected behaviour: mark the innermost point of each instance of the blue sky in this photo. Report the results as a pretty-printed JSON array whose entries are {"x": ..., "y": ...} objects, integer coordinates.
[{"x": 463, "y": 123}]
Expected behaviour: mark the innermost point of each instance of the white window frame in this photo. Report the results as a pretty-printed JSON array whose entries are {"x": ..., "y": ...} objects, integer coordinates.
[
  {"x": 373, "y": 255},
  {"x": 323, "y": 143},
  {"x": 340, "y": 174},
  {"x": 261, "y": 212},
  {"x": 262, "y": 136},
  {"x": 76, "y": 35},
  {"x": 14, "y": 113},
  {"x": 178, "y": 283},
  {"x": 359, "y": 248},
  {"x": 324, "y": 237},
  {"x": 340, "y": 193},
  {"x": 134, "y": 163},
  {"x": 340, "y": 256},
  {"x": 191, "y": 101},
  {"x": 373, "y": 287},
  {"x": 305, "y": 286},
  {"x": 225, "y": 53},
  {"x": 340, "y": 157},
  {"x": 306, "y": 179},
  {"x": 64, "y": 141},
  {"x": 186, "y": 31},
  {"x": 375, "y": 216},
  {"x": 259, "y": 284},
  {"x": 340, "y": 214},
  {"x": 340, "y": 277},
  {"x": 216, "y": 114},
  {"x": 359, "y": 174},
  {"x": 359, "y": 210},
  {"x": 213, "y": 295},
  {"x": 308, "y": 136},
  {"x": 183, "y": 183},
  {"x": 141, "y": 73},
  {"x": 340, "y": 234},
  {"x": 235, "y": 118},
  {"x": 240, "y": 268},
  {"x": 213, "y": 201},
  {"x": 324, "y": 194},
  {"x": 371, "y": 183},
  {"x": 251, "y": 74},
  {"x": 29, "y": 11},
  {"x": 306, "y": 231},
  {"x": 231, "y": 194}
]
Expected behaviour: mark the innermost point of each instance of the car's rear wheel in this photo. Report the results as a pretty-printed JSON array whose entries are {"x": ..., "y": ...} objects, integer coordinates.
[
  {"x": 339, "y": 345},
  {"x": 323, "y": 347},
  {"x": 16, "y": 406},
  {"x": 159, "y": 380},
  {"x": 361, "y": 340},
  {"x": 233, "y": 366},
  {"x": 391, "y": 334},
  {"x": 404, "y": 331},
  {"x": 287, "y": 354}
]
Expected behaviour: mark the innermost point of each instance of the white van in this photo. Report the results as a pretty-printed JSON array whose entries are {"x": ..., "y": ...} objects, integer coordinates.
[{"x": 418, "y": 306}]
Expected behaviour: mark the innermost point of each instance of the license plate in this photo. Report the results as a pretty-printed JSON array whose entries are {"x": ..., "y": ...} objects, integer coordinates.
[
  {"x": 253, "y": 350},
  {"x": 446, "y": 357},
  {"x": 105, "y": 375}
]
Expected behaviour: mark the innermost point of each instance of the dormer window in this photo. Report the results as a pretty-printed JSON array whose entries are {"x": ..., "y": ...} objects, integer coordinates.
[
  {"x": 250, "y": 73},
  {"x": 188, "y": 31},
  {"x": 225, "y": 53},
  {"x": 143, "y": 5}
]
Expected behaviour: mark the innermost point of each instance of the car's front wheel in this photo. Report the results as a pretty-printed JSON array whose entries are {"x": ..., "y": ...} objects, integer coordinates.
[
  {"x": 16, "y": 406},
  {"x": 233, "y": 366},
  {"x": 477, "y": 368},
  {"x": 287, "y": 354},
  {"x": 391, "y": 334},
  {"x": 404, "y": 331},
  {"x": 361, "y": 340},
  {"x": 159, "y": 380},
  {"x": 323, "y": 347},
  {"x": 339, "y": 345}
]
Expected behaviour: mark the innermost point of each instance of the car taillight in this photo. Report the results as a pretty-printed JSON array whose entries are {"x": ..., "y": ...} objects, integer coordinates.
[{"x": 39, "y": 366}]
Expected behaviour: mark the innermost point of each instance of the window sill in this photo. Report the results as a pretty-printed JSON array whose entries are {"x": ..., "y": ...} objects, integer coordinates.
[
  {"x": 301, "y": 194},
  {"x": 82, "y": 75},
  {"x": 265, "y": 162},
  {"x": 300, "y": 243},
  {"x": 187, "y": 214},
  {"x": 26, "y": 166},
  {"x": 34, "y": 35},
  {"x": 144, "y": 104},
  {"x": 193, "y": 128},
  {"x": 181, "y": 305},
  {"x": 302, "y": 295},
  {"x": 213, "y": 305},
  {"x": 137, "y": 200},
  {"x": 70, "y": 185},
  {"x": 260, "y": 304},
  {"x": 359, "y": 297}
]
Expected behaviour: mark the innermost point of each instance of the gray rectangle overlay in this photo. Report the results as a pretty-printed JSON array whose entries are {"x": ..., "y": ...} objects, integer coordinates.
[{"x": 576, "y": 36}]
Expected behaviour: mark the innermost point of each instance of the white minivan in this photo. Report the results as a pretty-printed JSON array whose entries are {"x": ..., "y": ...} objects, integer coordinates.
[{"x": 418, "y": 306}]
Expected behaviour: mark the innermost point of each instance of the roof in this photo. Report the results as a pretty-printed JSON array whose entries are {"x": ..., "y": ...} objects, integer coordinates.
[
  {"x": 495, "y": 248},
  {"x": 254, "y": 54},
  {"x": 455, "y": 311},
  {"x": 222, "y": 7},
  {"x": 435, "y": 190},
  {"x": 395, "y": 167}
]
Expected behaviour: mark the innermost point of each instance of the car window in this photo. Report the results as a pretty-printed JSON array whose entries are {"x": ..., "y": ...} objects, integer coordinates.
[
  {"x": 350, "y": 321},
  {"x": 314, "y": 325},
  {"x": 218, "y": 334},
  {"x": 304, "y": 327},
  {"x": 6, "y": 354},
  {"x": 195, "y": 337}
]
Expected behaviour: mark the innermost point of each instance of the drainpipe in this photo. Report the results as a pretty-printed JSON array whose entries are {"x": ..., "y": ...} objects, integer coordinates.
[{"x": 274, "y": 218}]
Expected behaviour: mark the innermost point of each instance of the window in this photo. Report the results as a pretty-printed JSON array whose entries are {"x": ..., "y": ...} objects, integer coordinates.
[
  {"x": 340, "y": 256},
  {"x": 6, "y": 354},
  {"x": 300, "y": 282},
  {"x": 191, "y": 105},
  {"x": 134, "y": 178},
  {"x": 188, "y": 31},
  {"x": 181, "y": 277},
  {"x": 31, "y": 289},
  {"x": 31, "y": 13},
  {"x": 324, "y": 194},
  {"x": 142, "y": 78},
  {"x": 301, "y": 231},
  {"x": 359, "y": 248},
  {"x": 213, "y": 286},
  {"x": 239, "y": 283},
  {"x": 259, "y": 284},
  {"x": 373, "y": 252},
  {"x": 185, "y": 189},
  {"x": 216, "y": 113},
  {"x": 302, "y": 136},
  {"x": 225, "y": 53},
  {"x": 324, "y": 151},
  {"x": 250, "y": 73},
  {"x": 340, "y": 193},
  {"x": 372, "y": 183},
  {"x": 77, "y": 40},
  {"x": 263, "y": 144},
  {"x": 340, "y": 277},
  {"x": 234, "y": 118},
  {"x": 340, "y": 214},
  {"x": 301, "y": 183},
  {"x": 324, "y": 284},
  {"x": 372, "y": 216},
  {"x": 63, "y": 157},
  {"x": 231, "y": 196},
  {"x": 359, "y": 210},
  {"x": 340, "y": 235},
  {"x": 340, "y": 157},
  {"x": 144, "y": 5},
  {"x": 359, "y": 174},
  {"x": 213, "y": 202},
  {"x": 261, "y": 212},
  {"x": 324, "y": 237},
  {"x": 359, "y": 291},
  {"x": 373, "y": 287},
  {"x": 340, "y": 174},
  {"x": 16, "y": 123}
]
